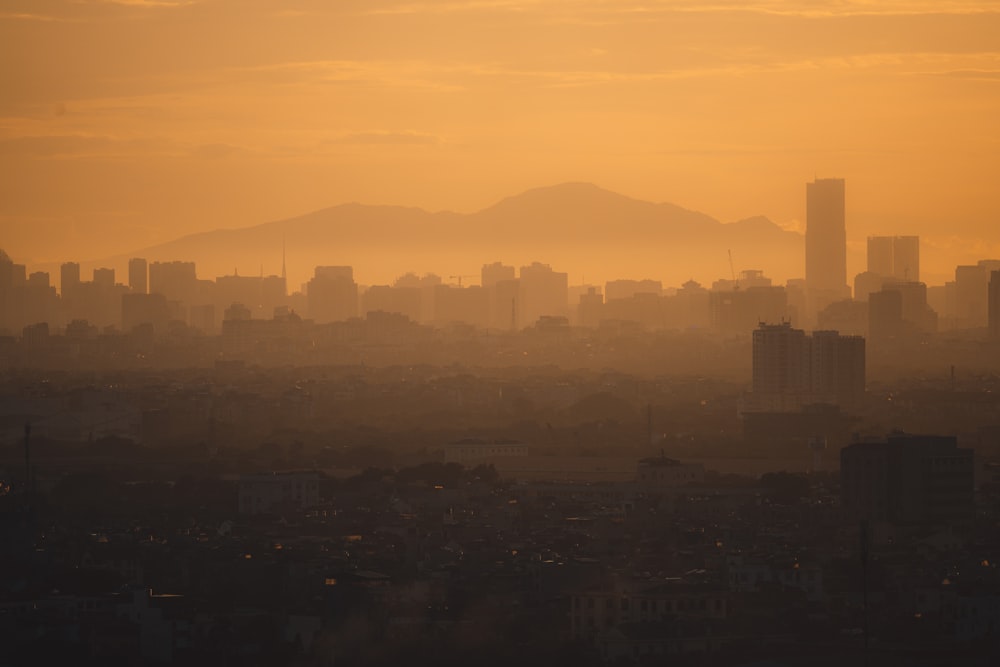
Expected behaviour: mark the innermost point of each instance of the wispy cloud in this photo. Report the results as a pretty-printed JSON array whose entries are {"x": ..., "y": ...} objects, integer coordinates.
[
  {"x": 407, "y": 137},
  {"x": 147, "y": 3},
  {"x": 78, "y": 146},
  {"x": 26, "y": 16},
  {"x": 216, "y": 151},
  {"x": 406, "y": 74},
  {"x": 55, "y": 145},
  {"x": 450, "y": 76},
  {"x": 457, "y": 7},
  {"x": 582, "y": 9},
  {"x": 991, "y": 75}
]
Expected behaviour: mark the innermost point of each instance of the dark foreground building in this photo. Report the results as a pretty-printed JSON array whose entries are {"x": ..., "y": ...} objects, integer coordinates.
[{"x": 908, "y": 479}]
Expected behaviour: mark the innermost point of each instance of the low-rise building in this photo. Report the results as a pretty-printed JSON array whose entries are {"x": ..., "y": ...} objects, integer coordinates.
[{"x": 271, "y": 491}]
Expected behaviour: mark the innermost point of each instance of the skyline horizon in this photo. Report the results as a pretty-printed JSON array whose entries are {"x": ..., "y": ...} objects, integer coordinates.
[
  {"x": 932, "y": 273},
  {"x": 228, "y": 114}
]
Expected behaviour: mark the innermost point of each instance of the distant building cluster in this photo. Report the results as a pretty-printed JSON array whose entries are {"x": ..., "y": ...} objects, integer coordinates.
[
  {"x": 792, "y": 369},
  {"x": 889, "y": 304}
]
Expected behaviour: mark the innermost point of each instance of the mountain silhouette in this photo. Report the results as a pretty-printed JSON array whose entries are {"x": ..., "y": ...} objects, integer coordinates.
[{"x": 581, "y": 228}]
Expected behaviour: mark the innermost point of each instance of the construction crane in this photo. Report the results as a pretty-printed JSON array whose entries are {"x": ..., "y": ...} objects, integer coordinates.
[
  {"x": 459, "y": 278},
  {"x": 732, "y": 270}
]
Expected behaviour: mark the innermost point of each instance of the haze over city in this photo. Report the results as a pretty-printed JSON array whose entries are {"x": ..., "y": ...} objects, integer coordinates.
[
  {"x": 598, "y": 333},
  {"x": 128, "y": 123}
]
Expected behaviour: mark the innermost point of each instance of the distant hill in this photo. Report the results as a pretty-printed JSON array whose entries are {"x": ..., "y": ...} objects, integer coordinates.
[{"x": 592, "y": 233}]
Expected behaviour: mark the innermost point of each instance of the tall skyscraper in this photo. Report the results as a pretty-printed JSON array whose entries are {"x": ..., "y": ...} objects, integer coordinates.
[
  {"x": 880, "y": 255},
  {"x": 826, "y": 236},
  {"x": 906, "y": 258},
  {"x": 895, "y": 257},
  {"x": 137, "y": 275}
]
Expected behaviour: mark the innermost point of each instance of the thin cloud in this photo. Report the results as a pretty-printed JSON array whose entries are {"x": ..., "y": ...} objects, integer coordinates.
[
  {"x": 402, "y": 74},
  {"x": 55, "y": 145},
  {"x": 451, "y": 77},
  {"x": 578, "y": 10},
  {"x": 457, "y": 7},
  {"x": 990, "y": 75},
  {"x": 393, "y": 138},
  {"x": 216, "y": 151},
  {"x": 148, "y": 3},
  {"x": 74, "y": 146},
  {"x": 15, "y": 16}
]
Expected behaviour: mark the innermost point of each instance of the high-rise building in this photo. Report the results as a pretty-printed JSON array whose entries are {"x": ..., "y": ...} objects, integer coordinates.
[
  {"x": 137, "y": 275},
  {"x": 38, "y": 279},
  {"x": 880, "y": 255},
  {"x": 626, "y": 289},
  {"x": 972, "y": 294},
  {"x": 178, "y": 281},
  {"x": 542, "y": 292},
  {"x": 994, "y": 305},
  {"x": 588, "y": 311},
  {"x": 837, "y": 367},
  {"x": 262, "y": 294},
  {"x": 792, "y": 370},
  {"x": 402, "y": 300},
  {"x": 738, "y": 312},
  {"x": 906, "y": 258},
  {"x": 493, "y": 273},
  {"x": 908, "y": 479},
  {"x": 779, "y": 359},
  {"x": 6, "y": 271},
  {"x": 866, "y": 283},
  {"x": 69, "y": 277},
  {"x": 895, "y": 257},
  {"x": 826, "y": 236},
  {"x": 885, "y": 315},
  {"x": 470, "y": 305},
  {"x": 104, "y": 277},
  {"x": 139, "y": 308},
  {"x": 332, "y": 294},
  {"x": 915, "y": 315}
]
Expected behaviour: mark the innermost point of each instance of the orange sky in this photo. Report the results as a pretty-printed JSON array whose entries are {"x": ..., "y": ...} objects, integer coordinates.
[{"x": 128, "y": 122}]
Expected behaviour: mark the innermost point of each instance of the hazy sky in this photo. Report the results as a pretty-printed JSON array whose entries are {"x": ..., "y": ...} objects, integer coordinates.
[{"x": 128, "y": 122}]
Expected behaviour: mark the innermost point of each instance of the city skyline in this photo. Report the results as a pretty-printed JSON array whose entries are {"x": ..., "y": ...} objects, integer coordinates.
[
  {"x": 170, "y": 295},
  {"x": 493, "y": 332},
  {"x": 295, "y": 108},
  {"x": 557, "y": 209}
]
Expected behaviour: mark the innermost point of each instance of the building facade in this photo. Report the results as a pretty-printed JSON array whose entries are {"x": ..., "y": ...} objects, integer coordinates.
[
  {"x": 826, "y": 236},
  {"x": 908, "y": 479},
  {"x": 792, "y": 370}
]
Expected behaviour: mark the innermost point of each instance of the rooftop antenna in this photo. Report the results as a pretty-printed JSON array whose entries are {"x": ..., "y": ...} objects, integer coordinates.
[
  {"x": 732, "y": 270},
  {"x": 284, "y": 276}
]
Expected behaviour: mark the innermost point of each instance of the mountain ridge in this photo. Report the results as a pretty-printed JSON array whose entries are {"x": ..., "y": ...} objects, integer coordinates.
[{"x": 562, "y": 225}]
